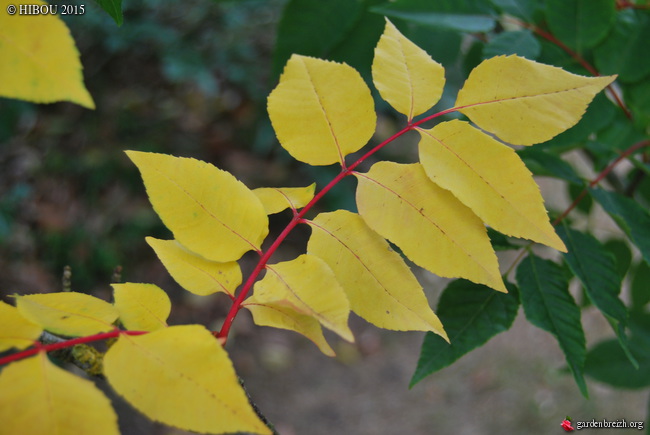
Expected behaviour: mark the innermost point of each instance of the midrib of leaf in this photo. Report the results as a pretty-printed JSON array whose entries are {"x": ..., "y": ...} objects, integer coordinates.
[
  {"x": 329, "y": 123},
  {"x": 461, "y": 247},
  {"x": 490, "y": 185},
  {"x": 292, "y": 291},
  {"x": 154, "y": 358},
  {"x": 366, "y": 267},
  {"x": 72, "y": 314},
  {"x": 561, "y": 340},
  {"x": 471, "y": 322},
  {"x": 205, "y": 209},
  {"x": 517, "y": 97},
  {"x": 146, "y": 308},
  {"x": 410, "y": 81}
]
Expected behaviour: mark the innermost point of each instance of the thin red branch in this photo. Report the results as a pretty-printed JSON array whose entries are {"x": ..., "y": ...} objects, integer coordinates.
[
  {"x": 299, "y": 218},
  {"x": 628, "y": 152},
  {"x": 625, "y": 4},
  {"x": 38, "y": 347}
]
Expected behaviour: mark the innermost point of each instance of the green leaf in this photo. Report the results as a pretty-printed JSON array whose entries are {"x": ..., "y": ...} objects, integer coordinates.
[
  {"x": 637, "y": 97},
  {"x": 471, "y": 314},
  {"x": 462, "y": 15},
  {"x": 625, "y": 51},
  {"x": 641, "y": 286},
  {"x": 520, "y": 42},
  {"x": 630, "y": 217},
  {"x": 357, "y": 48},
  {"x": 606, "y": 362},
  {"x": 112, "y": 8},
  {"x": 518, "y": 8},
  {"x": 548, "y": 305},
  {"x": 622, "y": 253},
  {"x": 313, "y": 28},
  {"x": 595, "y": 267},
  {"x": 580, "y": 24},
  {"x": 543, "y": 163}
]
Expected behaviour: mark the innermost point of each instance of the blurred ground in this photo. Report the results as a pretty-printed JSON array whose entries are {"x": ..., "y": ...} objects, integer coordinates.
[{"x": 190, "y": 79}]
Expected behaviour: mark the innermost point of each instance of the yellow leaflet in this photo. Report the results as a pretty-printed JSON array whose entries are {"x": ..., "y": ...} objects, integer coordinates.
[
  {"x": 380, "y": 286},
  {"x": 309, "y": 286},
  {"x": 432, "y": 227},
  {"x": 40, "y": 62},
  {"x": 405, "y": 75},
  {"x": 489, "y": 178},
  {"x": 277, "y": 199},
  {"x": 321, "y": 111},
  {"x": 72, "y": 314},
  {"x": 181, "y": 376},
  {"x": 282, "y": 315},
  {"x": 142, "y": 307},
  {"x": 193, "y": 272},
  {"x": 525, "y": 102},
  {"x": 15, "y": 330},
  {"x": 39, "y": 398},
  {"x": 209, "y": 211}
]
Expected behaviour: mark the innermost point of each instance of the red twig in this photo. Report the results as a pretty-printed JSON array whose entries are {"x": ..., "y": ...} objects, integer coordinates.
[
  {"x": 299, "y": 218},
  {"x": 625, "y": 4},
  {"x": 38, "y": 347},
  {"x": 631, "y": 150}
]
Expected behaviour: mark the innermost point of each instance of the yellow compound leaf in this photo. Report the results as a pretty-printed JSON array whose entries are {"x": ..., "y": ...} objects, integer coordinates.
[
  {"x": 209, "y": 211},
  {"x": 309, "y": 286},
  {"x": 405, "y": 75},
  {"x": 142, "y": 307},
  {"x": 282, "y": 315},
  {"x": 433, "y": 228},
  {"x": 525, "y": 102},
  {"x": 489, "y": 178},
  {"x": 380, "y": 286},
  {"x": 277, "y": 199},
  {"x": 39, "y": 398},
  {"x": 321, "y": 111},
  {"x": 193, "y": 272},
  {"x": 181, "y": 376},
  {"x": 70, "y": 313},
  {"x": 15, "y": 330},
  {"x": 40, "y": 62}
]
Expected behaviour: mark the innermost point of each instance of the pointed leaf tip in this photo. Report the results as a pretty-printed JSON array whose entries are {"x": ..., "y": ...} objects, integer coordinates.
[
  {"x": 433, "y": 228},
  {"x": 405, "y": 75},
  {"x": 40, "y": 62},
  {"x": 193, "y": 272},
  {"x": 321, "y": 111},
  {"x": 381, "y": 287},
  {"x": 524, "y": 102},
  {"x": 181, "y": 376}
]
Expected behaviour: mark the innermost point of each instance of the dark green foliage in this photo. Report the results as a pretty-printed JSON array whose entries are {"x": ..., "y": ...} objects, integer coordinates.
[
  {"x": 545, "y": 296},
  {"x": 472, "y": 314}
]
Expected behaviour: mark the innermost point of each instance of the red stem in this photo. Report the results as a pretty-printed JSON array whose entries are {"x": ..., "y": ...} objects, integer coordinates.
[
  {"x": 298, "y": 218},
  {"x": 38, "y": 347},
  {"x": 631, "y": 150}
]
